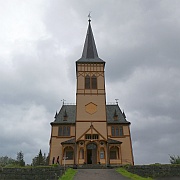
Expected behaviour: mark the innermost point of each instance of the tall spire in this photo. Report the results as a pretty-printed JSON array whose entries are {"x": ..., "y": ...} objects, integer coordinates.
[{"x": 90, "y": 52}]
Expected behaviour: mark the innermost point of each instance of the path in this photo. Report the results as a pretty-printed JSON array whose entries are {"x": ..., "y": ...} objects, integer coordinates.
[{"x": 98, "y": 174}]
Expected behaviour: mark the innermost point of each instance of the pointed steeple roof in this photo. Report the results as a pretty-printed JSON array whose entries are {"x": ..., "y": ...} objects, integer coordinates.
[{"x": 90, "y": 52}]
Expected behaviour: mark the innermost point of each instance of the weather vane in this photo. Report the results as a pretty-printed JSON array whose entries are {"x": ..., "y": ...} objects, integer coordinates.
[
  {"x": 63, "y": 100},
  {"x": 116, "y": 101},
  {"x": 89, "y": 15}
]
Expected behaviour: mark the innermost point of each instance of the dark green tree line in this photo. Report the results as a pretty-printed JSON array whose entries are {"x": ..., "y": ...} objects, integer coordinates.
[{"x": 6, "y": 161}]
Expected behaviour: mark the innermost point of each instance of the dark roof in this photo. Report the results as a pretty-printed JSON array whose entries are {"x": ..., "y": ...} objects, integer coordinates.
[
  {"x": 70, "y": 141},
  {"x": 113, "y": 110},
  {"x": 66, "y": 115},
  {"x": 112, "y": 141},
  {"x": 70, "y": 112},
  {"x": 90, "y": 54}
]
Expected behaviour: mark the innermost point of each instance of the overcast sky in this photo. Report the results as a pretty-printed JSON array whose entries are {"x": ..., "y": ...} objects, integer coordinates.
[{"x": 40, "y": 40}]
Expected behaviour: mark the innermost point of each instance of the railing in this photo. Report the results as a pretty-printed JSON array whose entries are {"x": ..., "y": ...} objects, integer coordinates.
[
  {"x": 111, "y": 103},
  {"x": 108, "y": 103},
  {"x": 69, "y": 103}
]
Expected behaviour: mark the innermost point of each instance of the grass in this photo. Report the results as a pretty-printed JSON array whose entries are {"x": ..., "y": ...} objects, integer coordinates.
[
  {"x": 69, "y": 174},
  {"x": 130, "y": 175}
]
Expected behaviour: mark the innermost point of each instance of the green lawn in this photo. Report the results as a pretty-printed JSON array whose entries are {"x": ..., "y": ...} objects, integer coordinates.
[
  {"x": 69, "y": 174},
  {"x": 130, "y": 175}
]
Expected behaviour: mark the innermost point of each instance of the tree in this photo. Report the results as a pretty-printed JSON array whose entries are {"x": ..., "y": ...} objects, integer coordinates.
[
  {"x": 5, "y": 161},
  {"x": 20, "y": 158},
  {"x": 175, "y": 159},
  {"x": 39, "y": 159}
]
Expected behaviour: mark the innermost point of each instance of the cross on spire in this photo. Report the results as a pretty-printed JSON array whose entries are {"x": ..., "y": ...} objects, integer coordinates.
[
  {"x": 116, "y": 101},
  {"x": 63, "y": 100},
  {"x": 90, "y": 53},
  {"x": 89, "y": 16}
]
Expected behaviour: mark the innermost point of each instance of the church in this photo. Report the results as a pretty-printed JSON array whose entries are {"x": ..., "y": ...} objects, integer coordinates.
[{"x": 90, "y": 132}]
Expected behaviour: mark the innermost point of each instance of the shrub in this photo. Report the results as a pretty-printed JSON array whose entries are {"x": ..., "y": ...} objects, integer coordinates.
[{"x": 175, "y": 159}]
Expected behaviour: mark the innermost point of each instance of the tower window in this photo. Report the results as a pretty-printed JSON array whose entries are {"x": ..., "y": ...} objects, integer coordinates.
[
  {"x": 90, "y": 82},
  {"x": 94, "y": 82},
  {"x": 87, "y": 82}
]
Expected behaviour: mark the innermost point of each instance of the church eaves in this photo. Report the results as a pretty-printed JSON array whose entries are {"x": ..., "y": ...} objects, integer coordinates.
[{"x": 90, "y": 54}]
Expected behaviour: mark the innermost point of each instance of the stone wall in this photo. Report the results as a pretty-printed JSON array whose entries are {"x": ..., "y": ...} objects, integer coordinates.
[
  {"x": 31, "y": 173},
  {"x": 155, "y": 170}
]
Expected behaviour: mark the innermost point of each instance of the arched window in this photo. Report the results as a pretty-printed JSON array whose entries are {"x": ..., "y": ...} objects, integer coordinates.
[
  {"x": 102, "y": 153},
  {"x": 87, "y": 82},
  {"x": 69, "y": 153},
  {"x": 94, "y": 82},
  {"x": 114, "y": 153}
]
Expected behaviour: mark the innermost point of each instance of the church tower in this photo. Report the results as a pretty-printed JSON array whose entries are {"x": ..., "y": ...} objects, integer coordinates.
[
  {"x": 92, "y": 131},
  {"x": 91, "y": 121}
]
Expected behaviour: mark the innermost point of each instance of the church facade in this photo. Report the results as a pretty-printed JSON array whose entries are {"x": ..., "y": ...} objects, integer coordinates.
[{"x": 90, "y": 132}]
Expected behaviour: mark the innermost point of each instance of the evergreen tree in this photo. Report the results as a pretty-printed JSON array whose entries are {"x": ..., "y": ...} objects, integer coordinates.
[{"x": 39, "y": 159}]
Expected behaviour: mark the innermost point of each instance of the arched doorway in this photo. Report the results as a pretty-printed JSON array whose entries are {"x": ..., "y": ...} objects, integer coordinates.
[{"x": 91, "y": 153}]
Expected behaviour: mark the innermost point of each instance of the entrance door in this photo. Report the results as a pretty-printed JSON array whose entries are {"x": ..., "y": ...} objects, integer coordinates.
[
  {"x": 91, "y": 153},
  {"x": 89, "y": 156}
]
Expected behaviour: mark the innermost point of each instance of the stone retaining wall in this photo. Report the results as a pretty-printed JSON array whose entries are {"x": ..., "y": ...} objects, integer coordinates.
[
  {"x": 31, "y": 173},
  {"x": 155, "y": 170}
]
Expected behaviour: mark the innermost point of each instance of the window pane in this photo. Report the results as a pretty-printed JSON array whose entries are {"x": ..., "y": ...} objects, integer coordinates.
[
  {"x": 117, "y": 131},
  {"x": 112, "y": 131},
  {"x": 68, "y": 131},
  {"x": 87, "y": 82},
  {"x": 69, "y": 154},
  {"x": 95, "y": 136},
  {"x": 121, "y": 131},
  {"x": 102, "y": 154},
  {"x": 94, "y": 82},
  {"x": 60, "y": 131},
  {"x": 64, "y": 130},
  {"x": 112, "y": 154}
]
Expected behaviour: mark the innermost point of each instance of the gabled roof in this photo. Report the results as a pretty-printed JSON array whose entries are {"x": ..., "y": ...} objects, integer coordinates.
[
  {"x": 91, "y": 128},
  {"x": 90, "y": 54},
  {"x": 111, "y": 110},
  {"x": 112, "y": 141},
  {"x": 70, "y": 111},
  {"x": 70, "y": 141}
]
